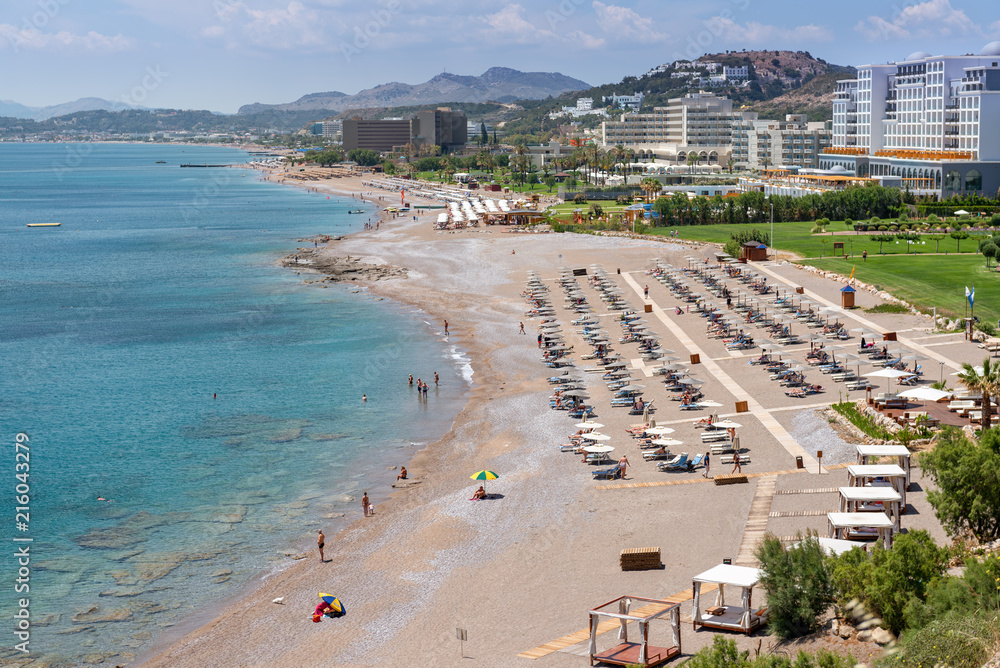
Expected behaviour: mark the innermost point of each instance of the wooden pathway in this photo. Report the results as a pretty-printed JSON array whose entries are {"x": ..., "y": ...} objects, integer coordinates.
[{"x": 756, "y": 526}]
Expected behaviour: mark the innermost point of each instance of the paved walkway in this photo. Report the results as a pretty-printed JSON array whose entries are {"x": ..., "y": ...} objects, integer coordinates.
[
  {"x": 756, "y": 409},
  {"x": 908, "y": 342}
]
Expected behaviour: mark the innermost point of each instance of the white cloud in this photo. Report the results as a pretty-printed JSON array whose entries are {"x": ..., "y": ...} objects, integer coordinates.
[
  {"x": 623, "y": 22},
  {"x": 754, "y": 33},
  {"x": 31, "y": 38},
  {"x": 935, "y": 18},
  {"x": 292, "y": 26},
  {"x": 510, "y": 25}
]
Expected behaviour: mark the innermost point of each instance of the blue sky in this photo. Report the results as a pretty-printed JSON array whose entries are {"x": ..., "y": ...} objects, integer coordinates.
[{"x": 219, "y": 54}]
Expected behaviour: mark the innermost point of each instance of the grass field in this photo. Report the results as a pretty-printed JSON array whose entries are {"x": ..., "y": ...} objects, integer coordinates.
[
  {"x": 927, "y": 281},
  {"x": 797, "y": 238}
]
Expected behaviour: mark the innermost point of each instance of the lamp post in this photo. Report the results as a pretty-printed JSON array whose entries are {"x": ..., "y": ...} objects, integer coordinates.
[{"x": 941, "y": 377}]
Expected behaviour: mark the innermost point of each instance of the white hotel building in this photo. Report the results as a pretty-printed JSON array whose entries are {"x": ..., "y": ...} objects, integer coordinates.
[{"x": 930, "y": 123}]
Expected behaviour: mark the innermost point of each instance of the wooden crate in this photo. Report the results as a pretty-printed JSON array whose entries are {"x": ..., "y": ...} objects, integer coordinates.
[
  {"x": 640, "y": 558},
  {"x": 730, "y": 479}
]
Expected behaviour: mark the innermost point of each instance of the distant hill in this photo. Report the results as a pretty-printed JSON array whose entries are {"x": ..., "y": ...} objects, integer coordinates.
[
  {"x": 497, "y": 84},
  {"x": 15, "y": 110}
]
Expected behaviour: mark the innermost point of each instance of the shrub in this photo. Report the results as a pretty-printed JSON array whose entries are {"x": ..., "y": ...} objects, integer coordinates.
[
  {"x": 933, "y": 219},
  {"x": 723, "y": 653},
  {"x": 580, "y": 198},
  {"x": 862, "y": 422},
  {"x": 885, "y": 580},
  {"x": 822, "y": 222},
  {"x": 889, "y": 307},
  {"x": 797, "y": 583},
  {"x": 967, "y": 498},
  {"x": 848, "y": 222},
  {"x": 875, "y": 220},
  {"x": 995, "y": 219},
  {"x": 818, "y": 229},
  {"x": 904, "y": 214},
  {"x": 883, "y": 228},
  {"x": 956, "y": 641},
  {"x": 596, "y": 210}
]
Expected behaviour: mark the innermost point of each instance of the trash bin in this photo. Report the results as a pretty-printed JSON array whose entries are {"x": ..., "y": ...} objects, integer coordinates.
[{"x": 798, "y": 462}]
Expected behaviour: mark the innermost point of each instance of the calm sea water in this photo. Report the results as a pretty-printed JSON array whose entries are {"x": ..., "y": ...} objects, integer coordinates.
[{"x": 116, "y": 329}]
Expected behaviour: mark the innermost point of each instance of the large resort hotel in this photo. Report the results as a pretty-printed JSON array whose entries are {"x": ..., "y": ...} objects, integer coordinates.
[{"x": 929, "y": 124}]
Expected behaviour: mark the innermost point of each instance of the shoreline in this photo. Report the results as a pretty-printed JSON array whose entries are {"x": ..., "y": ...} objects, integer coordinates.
[{"x": 386, "y": 490}]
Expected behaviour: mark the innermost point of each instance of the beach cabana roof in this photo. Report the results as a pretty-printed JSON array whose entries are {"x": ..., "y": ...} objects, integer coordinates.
[
  {"x": 738, "y": 576},
  {"x": 835, "y": 546}
]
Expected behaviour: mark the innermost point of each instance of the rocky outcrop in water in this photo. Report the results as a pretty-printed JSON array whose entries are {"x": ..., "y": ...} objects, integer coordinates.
[{"x": 342, "y": 269}]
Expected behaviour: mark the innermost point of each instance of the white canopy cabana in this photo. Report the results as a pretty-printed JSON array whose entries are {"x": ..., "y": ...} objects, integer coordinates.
[
  {"x": 835, "y": 546},
  {"x": 861, "y": 526},
  {"x": 878, "y": 475},
  {"x": 872, "y": 499},
  {"x": 635, "y": 653},
  {"x": 731, "y": 617},
  {"x": 868, "y": 453}
]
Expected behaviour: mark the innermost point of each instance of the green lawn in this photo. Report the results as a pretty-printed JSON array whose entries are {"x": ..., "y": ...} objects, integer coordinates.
[
  {"x": 798, "y": 238},
  {"x": 927, "y": 281}
]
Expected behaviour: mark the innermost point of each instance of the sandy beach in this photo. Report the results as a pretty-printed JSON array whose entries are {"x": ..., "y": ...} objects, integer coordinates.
[{"x": 521, "y": 570}]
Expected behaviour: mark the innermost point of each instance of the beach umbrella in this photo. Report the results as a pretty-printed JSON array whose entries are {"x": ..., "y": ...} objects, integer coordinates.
[
  {"x": 599, "y": 449},
  {"x": 579, "y": 394},
  {"x": 633, "y": 388},
  {"x": 485, "y": 475},
  {"x": 926, "y": 394},
  {"x": 667, "y": 442},
  {"x": 333, "y": 602},
  {"x": 596, "y": 437},
  {"x": 659, "y": 431},
  {"x": 727, "y": 424},
  {"x": 589, "y": 425},
  {"x": 887, "y": 373},
  {"x": 709, "y": 404}
]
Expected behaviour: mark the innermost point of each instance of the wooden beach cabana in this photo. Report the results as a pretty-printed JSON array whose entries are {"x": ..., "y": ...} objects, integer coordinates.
[
  {"x": 640, "y": 653},
  {"x": 868, "y": 454},
  {"x": 725, "y": 616},
  {"x": 876, "y": 475},
  {"x": 870, "y": 500},
  {"x": 861, "y": 526}
]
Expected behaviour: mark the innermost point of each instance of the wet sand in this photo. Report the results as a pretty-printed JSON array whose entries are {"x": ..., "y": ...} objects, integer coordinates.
[{"x": 520, "y": 570}]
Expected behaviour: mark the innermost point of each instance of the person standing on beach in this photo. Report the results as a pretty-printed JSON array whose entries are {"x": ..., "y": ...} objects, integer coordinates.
[
  {"x": 446, "y": 328},
  {"x": 435, "y": 378},
  {"x": 411, "y": 379},
  {"x": 645, "y": 292},
  {"x": 736, "y": 463},
  {"x": 539, "y": 339},
  {"x": 320, "y": 542},
  {"x": 364, "y": 398},
  {"x": 522, "y": 328},
  {"x": 364, "y": 504},
  {"x": 708, "y": 464}
]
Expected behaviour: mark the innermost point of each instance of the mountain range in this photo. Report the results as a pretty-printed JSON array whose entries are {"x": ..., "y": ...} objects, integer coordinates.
[
  {"x": 16, "y": 110},
  {"x": 497, "y": 84}
]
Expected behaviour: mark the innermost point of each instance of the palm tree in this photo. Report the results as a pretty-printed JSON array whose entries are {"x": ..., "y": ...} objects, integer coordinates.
[
  {"x": 651, "y": 187},
  {"x": 617, "y": 154},
  {"x": 692, "y": 159},
  {"x": 987, "y": 383},
  {"x": 730, "y": 163}
]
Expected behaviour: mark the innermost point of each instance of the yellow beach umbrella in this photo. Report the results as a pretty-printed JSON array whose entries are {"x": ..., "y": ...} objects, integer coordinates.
[{"x": 485, "y": 475}]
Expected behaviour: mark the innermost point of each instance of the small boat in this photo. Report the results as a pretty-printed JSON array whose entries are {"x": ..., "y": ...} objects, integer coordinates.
[
  {"x": 161, "y": 162},
  {"x": 358, "y": 211},
  {"x": 44, "y": 224}
]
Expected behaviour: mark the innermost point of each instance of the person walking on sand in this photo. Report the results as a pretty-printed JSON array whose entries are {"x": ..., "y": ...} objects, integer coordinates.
[
  {"x": 435, "y": 378},
  {"x": 708, "y": 464},
  {"x": 623, "y": 465},
  {"x": 645, "y": 292},
  {"x": 446, "y": 328},
  {"x": 736, "y": 463},
  {"x": 320, "y": 542},
  {"x": 522, "y": 328},
  {"x": 364, "y": 504}
]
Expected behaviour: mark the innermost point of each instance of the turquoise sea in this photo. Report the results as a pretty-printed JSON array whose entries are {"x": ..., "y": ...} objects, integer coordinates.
[{"x": 159, "y": 290}]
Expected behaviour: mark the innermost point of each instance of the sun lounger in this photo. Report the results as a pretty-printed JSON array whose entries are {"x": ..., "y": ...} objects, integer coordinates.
[
  {"x": 714, "y": 435},
  {"x": 654, "y": 456},
  {"x": 678, "y": 463},
  {"x": 722, "y": 448},
  {"x": 961, "y": 406},
  {"x": 608, "y": 474},
  {"x": 695, "y": 463},
  {"x": 728, "y": 459}
]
